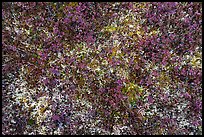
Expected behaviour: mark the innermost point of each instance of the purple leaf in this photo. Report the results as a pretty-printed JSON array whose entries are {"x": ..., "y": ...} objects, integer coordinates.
[
  {"x": 55, "y": 117},
  {"x": 67, "y": 20},
  {"x": 45, "y": 81},
  {"x": 183, "y": 72},
  {"x": 154, "y": 73},
  {"x": 119, "y": 82},
  {"x": 150, "y": 99},
  {"x": 82, "y": 65},
  {"x": 164, "y": 61},
  {"x": 186, "y": 95},
  {"x": 198, "y": 104},
  {"x": 54, "y": 71},
  {"x": 195, "y": 123}
]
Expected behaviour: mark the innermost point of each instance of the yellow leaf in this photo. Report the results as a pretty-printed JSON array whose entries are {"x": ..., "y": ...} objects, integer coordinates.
[
  {"x": 130, "y": 34},
  {"x": 114, "y": 51},
  {"x": 73, "y": 4},
  {"x": 138, "y": 32},
  {"x": 24, "y": 100},
  {"x": 196, "y": 62},
  {"x": 110, "y": 28},
  {"x": 42, "y": 110}
]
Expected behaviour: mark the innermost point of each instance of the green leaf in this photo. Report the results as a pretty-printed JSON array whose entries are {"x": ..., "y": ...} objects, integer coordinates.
[
  {"x": 31, "y": 122},
  {"x": 140, "y": 89},
  {"x": 133, "y": 103},
  {"x": 35, "y": 55}
]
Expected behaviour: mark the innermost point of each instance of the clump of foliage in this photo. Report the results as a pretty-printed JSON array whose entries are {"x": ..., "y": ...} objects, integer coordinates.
[{"x": 120, "y": 57}]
